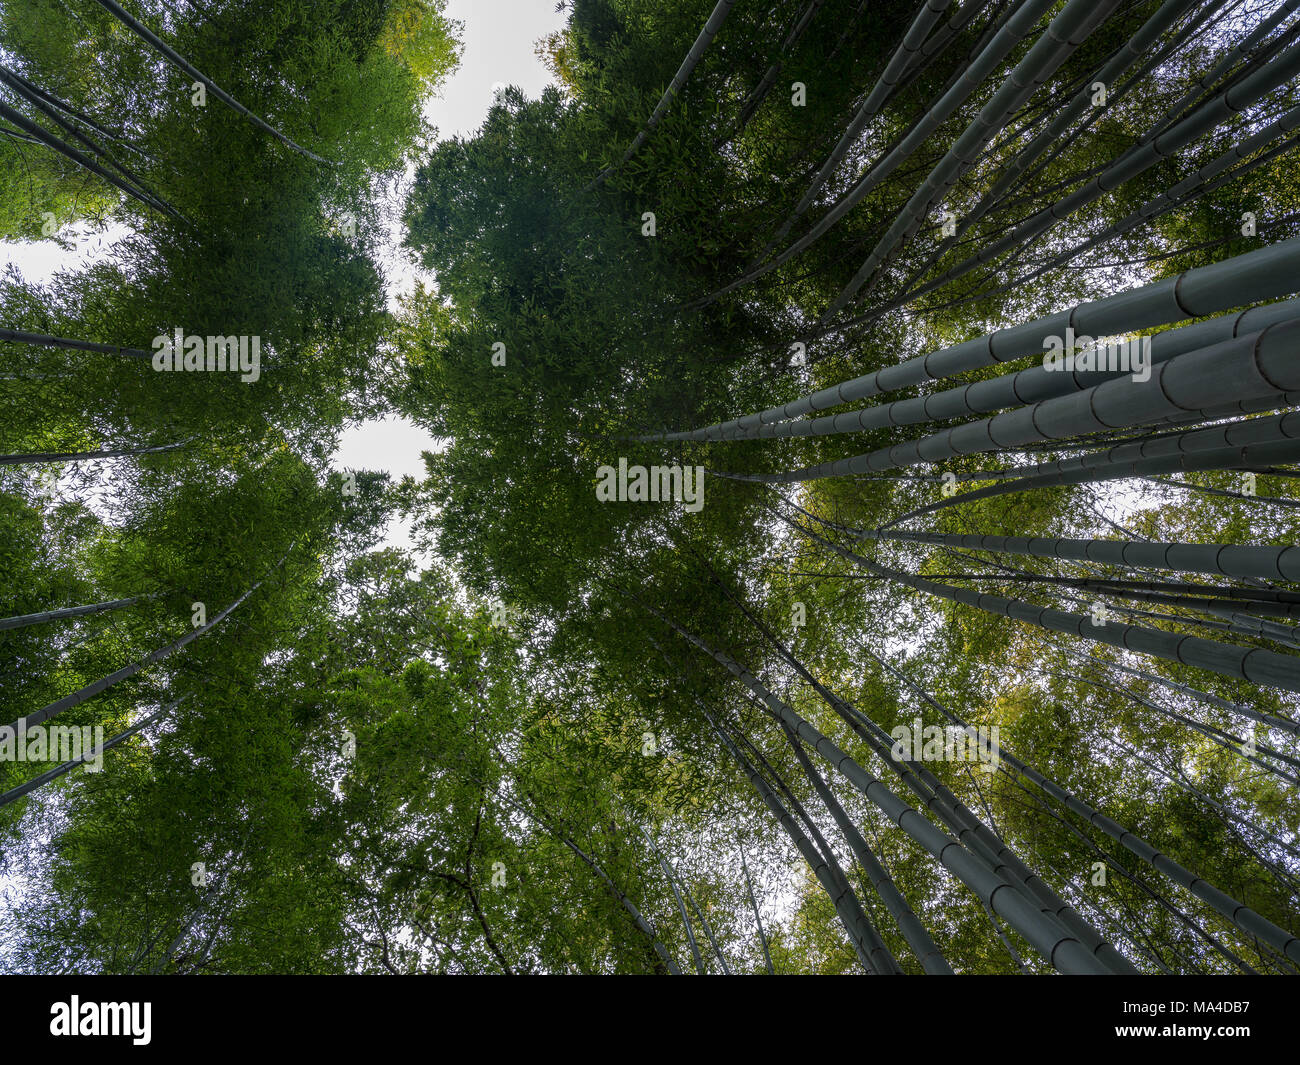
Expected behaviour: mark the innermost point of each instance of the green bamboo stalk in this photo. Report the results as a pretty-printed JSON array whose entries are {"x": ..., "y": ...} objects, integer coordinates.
[
  {"x": 879, "y": 958},
  {"x": 1266, "y": 273},
  {"x": 43, "y": 340},
  {"x": 22, "y": 620},
  {"x": 1243, "y": 663},
  {"x": 1071, "y": 27},
  {"x": 753, "y": 905},
  {"x": 1139, "y": 43},
  {"x": 702, "y": 42},
  {"x": 816, "y": 861},
  {"x": 1137, "y": 160},
  {"x": 1034, "y": 384},
  {"x": 927, "y": 953},
  {"x": 911, "y": 44},
  {"x": 1244, "y": 918},
  {"x": 95, "y": 687},
  {"x": 942, "y": 802},
  {"x": 177, "y": 60},
  {"x": 1047, "y": 936},
  {"x": 1253, "y": 366},
  {"x": 1017, "y": 27},
  {"x": 85, "y": 162},
  {"x": 42, "y": 457},
  {"x": 14, "y": 794},
  {"x": 751, "y": 102}
]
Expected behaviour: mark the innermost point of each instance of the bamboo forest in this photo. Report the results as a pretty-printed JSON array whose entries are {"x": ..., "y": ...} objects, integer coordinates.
[{"x": 833, "y": 510}]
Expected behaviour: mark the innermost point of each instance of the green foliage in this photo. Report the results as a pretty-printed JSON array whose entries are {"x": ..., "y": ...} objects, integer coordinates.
[{"x": 494, "y": 761}]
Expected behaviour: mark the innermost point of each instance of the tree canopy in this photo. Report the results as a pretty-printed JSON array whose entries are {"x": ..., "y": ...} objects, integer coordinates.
[{"x": 776, "y": 603}]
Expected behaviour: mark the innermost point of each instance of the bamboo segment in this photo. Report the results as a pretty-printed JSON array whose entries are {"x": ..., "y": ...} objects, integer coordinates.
[{"x": 1267, "y": 273}]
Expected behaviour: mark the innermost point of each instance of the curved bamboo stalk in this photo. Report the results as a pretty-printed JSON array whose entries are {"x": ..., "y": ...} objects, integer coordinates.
[
  {"x": 753, "y": 905},
  {"x": 67, "y": 767},
  {"x": 702, "y": 42},
  {"x": 177, "y": 60}
]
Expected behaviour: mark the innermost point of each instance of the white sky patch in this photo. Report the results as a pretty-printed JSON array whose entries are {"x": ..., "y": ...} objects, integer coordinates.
[
  {"x": 40, "y": 260},
  {"x": 499, "y": 38},
  {"x": 393, "y": 444}
]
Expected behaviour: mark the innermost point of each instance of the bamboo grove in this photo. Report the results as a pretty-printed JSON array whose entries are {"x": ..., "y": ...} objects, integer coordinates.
[{"x": 860, "y": 537}]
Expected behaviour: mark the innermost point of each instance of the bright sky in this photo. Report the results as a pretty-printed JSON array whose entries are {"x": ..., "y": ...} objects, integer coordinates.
[{"x": 499, "y": 36}]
